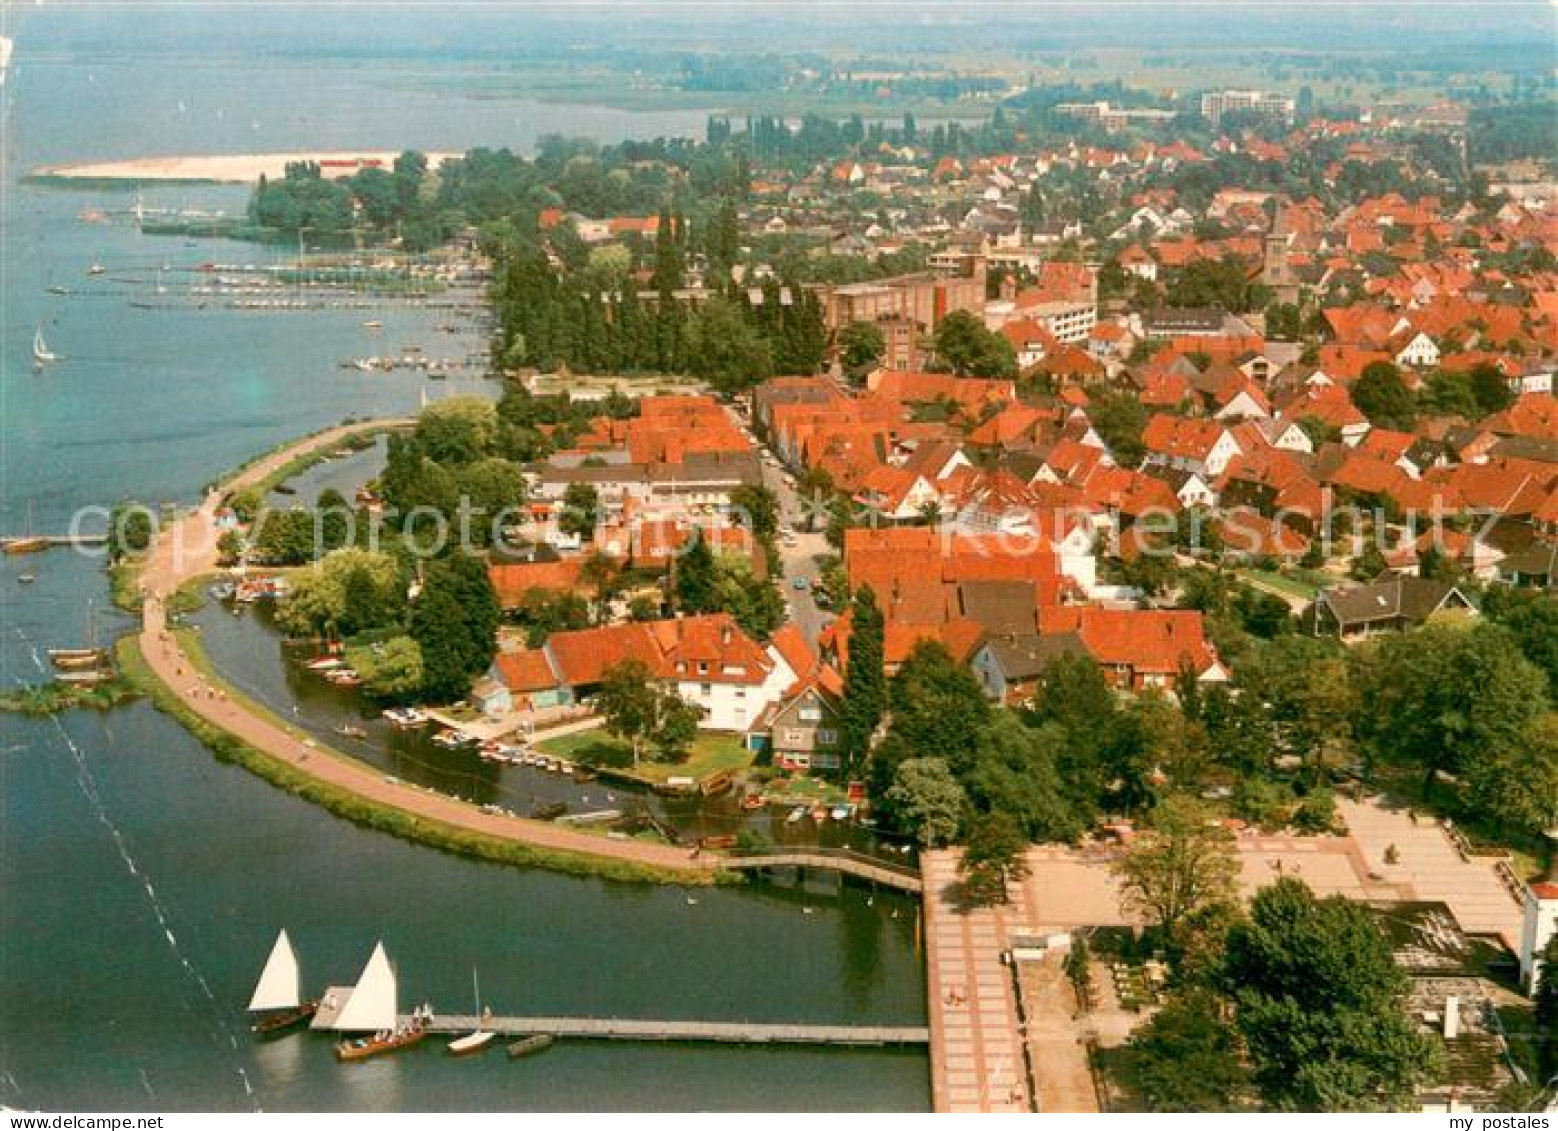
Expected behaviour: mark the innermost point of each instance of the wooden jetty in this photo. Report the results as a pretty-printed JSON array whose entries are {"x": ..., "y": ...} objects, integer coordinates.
[
  {"x": 715, "y": 1032},
  {"x": 46, "y": 541},
  {"x": 856, "y": 864}
]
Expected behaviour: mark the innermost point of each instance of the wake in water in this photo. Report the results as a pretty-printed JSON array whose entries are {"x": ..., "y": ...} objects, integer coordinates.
[
  {"x": 33, "y": 649},
  {"x": 214, "y": 1018}
]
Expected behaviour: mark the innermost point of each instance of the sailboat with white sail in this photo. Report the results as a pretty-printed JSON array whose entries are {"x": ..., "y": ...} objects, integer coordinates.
[
  {"x": 478, "y": 1038},
  {"x": 371, "y": 1008},
  {"x": 278, "y": 995},
  {"x": 41, "y": 353}
]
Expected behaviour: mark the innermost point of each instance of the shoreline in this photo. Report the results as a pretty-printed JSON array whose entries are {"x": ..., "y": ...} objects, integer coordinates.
[
  {"x": 215, "y": 169},
  {"x": 173, "y": 673}
]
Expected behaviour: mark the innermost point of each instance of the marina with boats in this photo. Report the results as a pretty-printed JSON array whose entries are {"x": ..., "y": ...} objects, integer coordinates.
[{"x": 366, "y": 1019}]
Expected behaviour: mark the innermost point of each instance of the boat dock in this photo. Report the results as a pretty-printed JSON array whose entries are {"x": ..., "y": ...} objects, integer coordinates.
[
  {"x": 715, "y": 1032},
  {"x": 13, "y": 542}
]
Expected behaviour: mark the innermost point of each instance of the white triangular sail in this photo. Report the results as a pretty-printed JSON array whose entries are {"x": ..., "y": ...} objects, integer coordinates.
[
  {"x": 371, "y": 1006},
  {"x": 278, "y": 987}
]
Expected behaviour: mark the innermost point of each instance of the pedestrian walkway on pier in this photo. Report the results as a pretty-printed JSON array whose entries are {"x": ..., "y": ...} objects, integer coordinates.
[{"x": 719, "y": 1032}]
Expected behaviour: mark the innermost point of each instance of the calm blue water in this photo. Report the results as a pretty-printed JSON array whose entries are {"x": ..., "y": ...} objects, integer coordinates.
[{"x": 141, "y": 882}]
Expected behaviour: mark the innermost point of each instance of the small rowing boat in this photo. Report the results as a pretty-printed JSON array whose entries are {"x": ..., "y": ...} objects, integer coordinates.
[{"x": 529, "y": 1046}]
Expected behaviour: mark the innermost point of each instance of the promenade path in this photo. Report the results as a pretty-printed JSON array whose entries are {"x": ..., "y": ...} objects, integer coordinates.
[{"x": 187, "y": 548}]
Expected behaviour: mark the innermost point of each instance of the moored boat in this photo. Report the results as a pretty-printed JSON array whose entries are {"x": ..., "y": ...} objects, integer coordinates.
[
  {"x": 28, "y": 544},
  {"x": 529, "y": 1046},
  {"x": 471, "y": 1043},
  {"x": 402, "y": 1037},
  {"x": 478, "y": 1038},
  {"x": 278, "y": 996},
  {"x": 371, "y": 1008}
]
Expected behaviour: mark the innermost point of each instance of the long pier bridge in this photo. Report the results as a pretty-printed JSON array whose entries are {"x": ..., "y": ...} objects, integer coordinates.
[
  {"x": 843, "y": 860},
  {"x": 714, "y": 1032},
  {"x": 14, "y": 543}
]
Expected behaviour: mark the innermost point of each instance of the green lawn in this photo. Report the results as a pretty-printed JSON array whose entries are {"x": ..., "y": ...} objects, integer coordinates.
[
  {"x": 1292, "y": 586},
  {"x": 711, "y": 752}
]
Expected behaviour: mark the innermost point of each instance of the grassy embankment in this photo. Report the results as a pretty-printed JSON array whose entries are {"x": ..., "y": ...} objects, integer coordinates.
[
  {"x": 343, "y": 802},
  {"x": 57, "y": 695}
]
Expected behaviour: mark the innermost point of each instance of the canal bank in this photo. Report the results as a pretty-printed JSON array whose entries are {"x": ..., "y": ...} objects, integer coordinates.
[{"x": 168, "y": 664}]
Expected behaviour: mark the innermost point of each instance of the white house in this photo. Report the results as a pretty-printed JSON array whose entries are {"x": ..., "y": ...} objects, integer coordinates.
[{"x": 1420, "y": 352}]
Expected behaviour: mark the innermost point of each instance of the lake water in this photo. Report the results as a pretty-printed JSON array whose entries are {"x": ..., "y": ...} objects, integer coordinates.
[{"x": 141, "y": 881}]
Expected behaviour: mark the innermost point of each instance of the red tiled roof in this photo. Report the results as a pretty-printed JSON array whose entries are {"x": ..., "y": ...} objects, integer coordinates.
[
  {"x": 526, "y": 670},
  {"x": 1147, "y": 641},
  {"x": 512, "y": 580}
]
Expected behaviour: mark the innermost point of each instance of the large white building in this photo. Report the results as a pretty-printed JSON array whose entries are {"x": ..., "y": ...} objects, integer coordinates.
[{"x": 1216, "y": 103}]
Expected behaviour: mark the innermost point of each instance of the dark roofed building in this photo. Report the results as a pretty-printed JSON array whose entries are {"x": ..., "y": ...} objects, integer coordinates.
[
  {"x": 1536, "y": 566},
  {"x": 1002, "y": 607},
  {"x": 1389, "y": 603},
  {"x": 1009, "y": 666}
]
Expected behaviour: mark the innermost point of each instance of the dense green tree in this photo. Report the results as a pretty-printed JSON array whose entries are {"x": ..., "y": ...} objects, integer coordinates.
[
  {"x": 1532, "y": 618},
  {"x": 725, "y": 349},
  {"x": 938, "y": 708},
  {"x": 676, "y": 725},
  {"x": 1321, "y": 1005},
  {"x": 992, "y": 858},
  {"x": 454, "y": 620},
  {"x": 230, "y": 545},
  {"x": 335, "y": 521},
  {"x": 755, "y": 604},
  {"x": 1449, "y": 394},
  {"x": 436, "y": 627},
  {"x": 964, "y": 345},
  {"x": 1211, "y": 282},
  {"x": 926, "y": 801},
  {"x": 636, "y": 708},
  {"x": 865, "y": 681},
  {"x": 1182, "y": 863},
  {"x": 458, "y": 430},
  {"x": 391, "y": 670},
  {"x": 1489, "y": 388},
  {"x": 1120, "y": 421},
  {"x": 1283, "y": 322},
  {"x": 628, "y": 700},
  {"x": 581, "y": 511},
  {"x": 1187, "y": 1058},
  {"x": 695, "y": 574},
  {"x": 493, "y": 490},
  {"x": 131, "y": 527},
  {"x": 1516, "y": 786},
  {"x": 1016, "y": 769},
  {"x": 1545, "y": 997},
  {"x": 347, "y": 591},
  {"x": 861, "y": 345},
  {"x": 284, "y": 537},
  {"x": 1446, "y": 697},
  {"x": 1382, "y": 396},
  {"x": 757, "y": 508}
]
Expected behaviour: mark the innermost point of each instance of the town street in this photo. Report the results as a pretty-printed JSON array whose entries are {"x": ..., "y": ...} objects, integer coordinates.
[{"x": 798, "y": 551}]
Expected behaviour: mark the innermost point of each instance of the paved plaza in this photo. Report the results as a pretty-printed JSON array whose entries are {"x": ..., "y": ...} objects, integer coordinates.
[{"x": 977, "y": 1054}]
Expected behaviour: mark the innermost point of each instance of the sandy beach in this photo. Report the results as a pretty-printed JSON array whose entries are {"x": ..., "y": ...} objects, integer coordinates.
[{"x": 231, "y": 169}]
